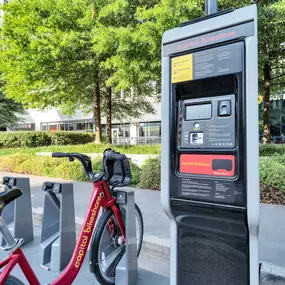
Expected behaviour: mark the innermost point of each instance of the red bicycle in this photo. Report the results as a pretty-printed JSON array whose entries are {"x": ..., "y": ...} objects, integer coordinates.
[{"x": 108, "y": 238}]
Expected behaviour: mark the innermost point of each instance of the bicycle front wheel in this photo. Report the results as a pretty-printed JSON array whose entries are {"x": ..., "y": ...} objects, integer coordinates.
[{"x": 108, "y": 246}]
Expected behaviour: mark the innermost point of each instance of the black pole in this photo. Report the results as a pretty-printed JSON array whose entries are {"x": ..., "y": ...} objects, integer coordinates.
[{"x": 211, "y": 7}]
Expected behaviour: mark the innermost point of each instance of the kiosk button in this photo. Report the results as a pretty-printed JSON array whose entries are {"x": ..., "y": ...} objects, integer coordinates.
[{"x": 224, "y": 108}]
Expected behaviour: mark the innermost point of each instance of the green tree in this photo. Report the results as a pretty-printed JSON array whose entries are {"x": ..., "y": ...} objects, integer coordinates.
[
  {"x": 47, "y": 57},
  {"x": 271, "y": 19},
  {"x": 139, "y": 55},
  {"x": 167, "y": 14},
  {"x": 114, "y": 20},
  {"x": 56, "y": 53},
  {"x": 10, "y": 111}
]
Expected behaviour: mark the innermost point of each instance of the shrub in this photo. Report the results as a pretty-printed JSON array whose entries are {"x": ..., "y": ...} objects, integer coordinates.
[
  {"x": 71, "y": 138},
  {"x": 10, "y": 162},
  {"x": 136, "y": 172},
  {"x": 37, "y": 139},
  {"x": 150, "y": 174},
  {"x": 271, "y": 150},
  {"x": 272, "y": 171},
  {"x": 52, "y": 167}
]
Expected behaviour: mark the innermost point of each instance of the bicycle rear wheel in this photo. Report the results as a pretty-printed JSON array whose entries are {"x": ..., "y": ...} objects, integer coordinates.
[{"x": 108, "y": 247}]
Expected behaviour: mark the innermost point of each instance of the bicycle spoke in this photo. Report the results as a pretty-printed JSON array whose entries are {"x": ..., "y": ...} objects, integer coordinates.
[
  {"x": 108, "y": 246},
  {"x": 110, "y": 262}
]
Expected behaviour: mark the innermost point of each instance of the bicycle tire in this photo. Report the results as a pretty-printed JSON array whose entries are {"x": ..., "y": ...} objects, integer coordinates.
[
  {"x": 96, "y": 244},
  {"x": 12, "y": 280}
]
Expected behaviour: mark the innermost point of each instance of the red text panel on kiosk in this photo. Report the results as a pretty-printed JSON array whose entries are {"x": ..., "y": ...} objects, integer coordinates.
[{"x": 204, "y": 164}]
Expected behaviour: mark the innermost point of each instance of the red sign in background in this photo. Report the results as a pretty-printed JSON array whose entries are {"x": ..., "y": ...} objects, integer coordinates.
[{"x": 207, "y": 164}]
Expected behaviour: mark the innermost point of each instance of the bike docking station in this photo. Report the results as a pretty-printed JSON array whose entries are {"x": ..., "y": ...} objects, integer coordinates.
[
  {"x": 18, "y": 214},
  {"x": 127, "y": 269},
  {"x": 209, "y": 159},
  {"x": 58, "y": 235}
]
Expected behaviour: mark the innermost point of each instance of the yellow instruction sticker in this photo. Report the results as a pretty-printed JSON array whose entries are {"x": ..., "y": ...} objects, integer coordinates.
[{"x": 182, "y": 68}]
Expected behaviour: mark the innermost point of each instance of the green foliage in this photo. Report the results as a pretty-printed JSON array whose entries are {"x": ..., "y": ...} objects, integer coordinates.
[
  {"x": 71, "y": 138},
  {"x": 271, "y": 150},
  {"x": 44, "y": 166},
  {"x": 58, "y": 168},
  {"x": 24, "y": 139},
  {"x": 150, "y": 175},
  {"x": 9, "y": 110},
  {"x": 87, "y": 148},
  {"x": 272, "y": 171},
  {"x": 55, "y": 53},
  {"x": 36, "y": 139},
  {"x": 136, "y": 172},
  {"x": 271, "y": 38},
  {"x": 46, "y": 52}
]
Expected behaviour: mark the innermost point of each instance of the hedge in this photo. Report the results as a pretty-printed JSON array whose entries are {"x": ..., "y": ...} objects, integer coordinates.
[
  {"x": 37, "y": 139},
  {"x": 54, "y": 167},
  {"x": 150, "y": 174},
  {"x": 272, "y": 169},
  {"x": 271, "y": 150},
  {"x": 272, "y": 172}
]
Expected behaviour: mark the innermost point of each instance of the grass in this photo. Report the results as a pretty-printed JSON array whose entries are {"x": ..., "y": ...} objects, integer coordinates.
[{"x": 86, "y": 148}]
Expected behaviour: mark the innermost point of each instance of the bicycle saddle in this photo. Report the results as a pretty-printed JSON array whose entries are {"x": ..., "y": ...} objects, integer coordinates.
[{"x": 9, "y": 196}]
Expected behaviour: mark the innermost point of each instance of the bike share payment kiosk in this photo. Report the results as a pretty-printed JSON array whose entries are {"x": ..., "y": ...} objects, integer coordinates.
[{"x": 209, "y": 176}]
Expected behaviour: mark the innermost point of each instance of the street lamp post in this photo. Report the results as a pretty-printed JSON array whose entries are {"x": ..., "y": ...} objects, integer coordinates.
[{"x": 211, "y": 7}]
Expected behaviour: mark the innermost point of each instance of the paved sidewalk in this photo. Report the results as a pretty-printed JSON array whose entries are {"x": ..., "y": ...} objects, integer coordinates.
[{"x": 272, "y": 223}]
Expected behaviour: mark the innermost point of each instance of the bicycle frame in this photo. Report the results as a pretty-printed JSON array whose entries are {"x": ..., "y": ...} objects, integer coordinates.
[{"x": 101, "y": 197}]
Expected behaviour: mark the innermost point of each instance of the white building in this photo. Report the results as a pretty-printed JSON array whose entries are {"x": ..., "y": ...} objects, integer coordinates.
[{"x": 143, "y": 130}]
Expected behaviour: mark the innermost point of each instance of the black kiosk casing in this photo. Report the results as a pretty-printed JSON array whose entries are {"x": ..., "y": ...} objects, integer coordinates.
[{"x": 209, "y": 176}]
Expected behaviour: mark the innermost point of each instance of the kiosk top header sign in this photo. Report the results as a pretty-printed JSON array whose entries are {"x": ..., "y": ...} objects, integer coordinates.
[{"x": 236, "y": 32}]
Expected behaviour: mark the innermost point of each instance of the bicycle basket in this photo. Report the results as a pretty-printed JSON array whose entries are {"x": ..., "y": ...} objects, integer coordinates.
[{"x": 121, "y": 174}]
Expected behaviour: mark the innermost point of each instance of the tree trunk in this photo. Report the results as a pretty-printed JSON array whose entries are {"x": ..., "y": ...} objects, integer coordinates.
[
  {"x": 266, "y": 101},
  {"x": 109, "y": 116},
  {"x": 97, "y": 110}
]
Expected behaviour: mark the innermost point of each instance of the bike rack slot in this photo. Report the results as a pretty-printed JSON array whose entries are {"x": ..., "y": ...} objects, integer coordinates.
[
  {"x": 127, "y": 269},
  {"x": 58, "y": 235},
  {"x": 18, "y": 214}
]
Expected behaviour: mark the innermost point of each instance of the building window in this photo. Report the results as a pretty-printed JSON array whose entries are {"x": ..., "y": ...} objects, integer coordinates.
[
  {"x": 44, "y": 127},
  {"x": 154, "y": 129},
  {"x": 127, "y": 131},
  {"x": 53, "y": 127},
  {"x": 80, "y": 127},
  {"x": 150, "y": 129}
]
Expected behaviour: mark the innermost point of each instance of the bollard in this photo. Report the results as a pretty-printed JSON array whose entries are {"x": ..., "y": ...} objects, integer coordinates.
[
  {"x": 127, "y": 269},
  {"x": 58, "y": 236},
  {"x": 18, "y": 214}
]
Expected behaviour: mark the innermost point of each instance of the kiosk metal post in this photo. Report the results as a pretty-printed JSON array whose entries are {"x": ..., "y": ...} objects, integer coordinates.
[
  {"x": 209, "y": 159},
  {"x": 211, "y": 6}
]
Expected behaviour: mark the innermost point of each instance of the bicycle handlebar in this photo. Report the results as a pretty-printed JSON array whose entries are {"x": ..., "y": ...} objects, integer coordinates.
[
  {"x": 59, "y": 154},
  {"x": 109, "y": 157},
  {"x": 84, "y": 160}
]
